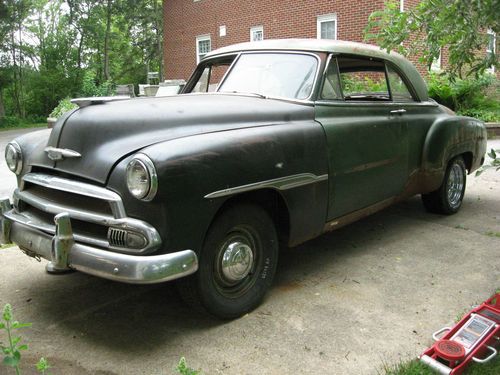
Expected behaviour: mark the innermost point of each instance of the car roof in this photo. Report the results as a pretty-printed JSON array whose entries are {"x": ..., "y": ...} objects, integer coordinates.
[{"x": 332, "y": 46}]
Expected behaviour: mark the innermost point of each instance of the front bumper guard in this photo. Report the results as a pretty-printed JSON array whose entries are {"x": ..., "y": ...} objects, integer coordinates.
[{"x": 64, "y": 254}]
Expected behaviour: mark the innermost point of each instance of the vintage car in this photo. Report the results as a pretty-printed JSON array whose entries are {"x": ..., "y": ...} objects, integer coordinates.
[{"x": 270, "y": 143}]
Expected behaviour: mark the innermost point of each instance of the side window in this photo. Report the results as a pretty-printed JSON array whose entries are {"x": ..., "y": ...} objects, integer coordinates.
[
  {"x": 363, "y": 79},
  {"x": 211, "y": 77},
  {"x": 399, "y": 90},
  {"x": 331, "y": 84}
]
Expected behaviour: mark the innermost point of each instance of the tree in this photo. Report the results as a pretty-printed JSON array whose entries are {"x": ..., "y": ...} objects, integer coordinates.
[{"x": 460, "y": 26}]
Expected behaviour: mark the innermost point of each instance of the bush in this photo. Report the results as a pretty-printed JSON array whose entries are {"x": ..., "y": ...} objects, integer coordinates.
[
  {"x": 90, "y": 88},
  {"x": 64, "y": 106},
  {"x": 475, "y": 97},
  {"x": 9, "y": 122}
]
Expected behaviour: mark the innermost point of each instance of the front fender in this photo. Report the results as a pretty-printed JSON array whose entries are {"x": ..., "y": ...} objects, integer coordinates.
[
  {"x": 448, "y": 137},
  {"x": 190, "y": 169}
]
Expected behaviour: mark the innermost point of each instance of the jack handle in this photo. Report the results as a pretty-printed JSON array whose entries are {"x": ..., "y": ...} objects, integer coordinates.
[
  {"x": 435, "y": 334},
  {"x": 489, "y": 358}
]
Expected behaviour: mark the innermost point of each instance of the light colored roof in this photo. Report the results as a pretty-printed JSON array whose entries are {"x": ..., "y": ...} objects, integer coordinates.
[{"x": 332, "y": 46}]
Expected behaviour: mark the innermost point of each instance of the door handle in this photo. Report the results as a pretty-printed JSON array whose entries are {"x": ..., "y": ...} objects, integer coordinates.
[{"x": 398, "y": 111}]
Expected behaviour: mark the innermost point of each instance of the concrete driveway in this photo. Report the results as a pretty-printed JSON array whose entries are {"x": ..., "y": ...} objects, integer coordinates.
[{"x": 345, "y": 303}]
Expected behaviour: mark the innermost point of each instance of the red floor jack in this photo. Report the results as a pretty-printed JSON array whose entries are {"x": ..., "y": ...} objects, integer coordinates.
[{"x": 471, "y": 339}]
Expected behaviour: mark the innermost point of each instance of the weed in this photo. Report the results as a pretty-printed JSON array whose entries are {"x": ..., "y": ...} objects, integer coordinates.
[
  {"x": 183, "y": 369},
  {"x": 12, "y": 350},
  {"x": 492, "y": 234},
  {"x": 6, "y": 246}
]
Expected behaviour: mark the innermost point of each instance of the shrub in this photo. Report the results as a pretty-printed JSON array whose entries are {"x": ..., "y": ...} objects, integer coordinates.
[
  {"x": 475, "y": 97},
  {"x": 64, "y": 106}
]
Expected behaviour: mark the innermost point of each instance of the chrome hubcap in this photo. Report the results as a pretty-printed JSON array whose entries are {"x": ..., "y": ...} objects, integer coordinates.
[
  {"x": 455, "y": 185},
  {"x": 237, "y": 261}
]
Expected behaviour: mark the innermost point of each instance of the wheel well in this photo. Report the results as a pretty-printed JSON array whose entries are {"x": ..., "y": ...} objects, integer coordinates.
[
  {"x": 271, "y": 201},
  {"x": 467, "y": 156}
]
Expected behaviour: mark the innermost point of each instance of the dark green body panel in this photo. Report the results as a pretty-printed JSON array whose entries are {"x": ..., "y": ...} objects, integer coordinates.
[{"x": 192, "y": 167}]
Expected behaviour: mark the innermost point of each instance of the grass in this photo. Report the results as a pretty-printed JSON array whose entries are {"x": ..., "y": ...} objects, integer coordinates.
[
  {"x": 6, "y": 246},
  {"x": 416, "y": 368},
  {"x": 493, "y": 234},
  {"x": 24, "y": 126}
]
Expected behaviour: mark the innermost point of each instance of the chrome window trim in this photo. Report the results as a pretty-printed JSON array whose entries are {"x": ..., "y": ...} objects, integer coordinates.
[
  {"x": 238, "y": 54},
  {"x": 281, "y": 183}
]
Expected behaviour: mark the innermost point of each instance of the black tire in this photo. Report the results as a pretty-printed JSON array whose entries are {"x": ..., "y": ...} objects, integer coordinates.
[
  {"x": 246, "y": 235},
  {"x": 448, "y": 198}
]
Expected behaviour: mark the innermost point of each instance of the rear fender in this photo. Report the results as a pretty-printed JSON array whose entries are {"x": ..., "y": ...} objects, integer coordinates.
[{"x": 447, "y": 138}]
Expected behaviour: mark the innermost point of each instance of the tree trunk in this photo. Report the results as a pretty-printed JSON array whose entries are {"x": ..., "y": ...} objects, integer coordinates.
[
  {"x": 2, "y": 107},
  {"x": 107, "y": 75}
]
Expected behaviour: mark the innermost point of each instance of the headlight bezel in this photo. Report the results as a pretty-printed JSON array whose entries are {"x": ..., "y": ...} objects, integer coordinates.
[
  {"x": 19, "y": 161},
  {"x": 147, "y": 164}
]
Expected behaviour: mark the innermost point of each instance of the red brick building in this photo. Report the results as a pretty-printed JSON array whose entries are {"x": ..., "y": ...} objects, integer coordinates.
[{"x": 194, "y": 27}]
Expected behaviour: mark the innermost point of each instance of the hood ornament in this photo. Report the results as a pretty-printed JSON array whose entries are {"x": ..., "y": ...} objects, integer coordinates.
[{"x": 61, "y": 153}]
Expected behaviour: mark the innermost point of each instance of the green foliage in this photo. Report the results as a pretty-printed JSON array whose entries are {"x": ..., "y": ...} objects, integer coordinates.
[
  {"x": 423, "y": 30},
  {"x": 64, "y": 106},
  {"x": 12, "y": 349},
  {"x": 468, "y": 97},
  {"x": 43, "y": 366},
  {"x": 10, "y": 122},
  {"x": 407, "y": 368},
  {"x": 493, "y": 164},
  {"x": 183, "y": 369},
  {"x": 91, "y": 88},
  {"x": 54, "y": 49}
]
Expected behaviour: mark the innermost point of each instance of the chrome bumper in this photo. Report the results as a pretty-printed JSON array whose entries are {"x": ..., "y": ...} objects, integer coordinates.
[{"x": 63, "y": 253}]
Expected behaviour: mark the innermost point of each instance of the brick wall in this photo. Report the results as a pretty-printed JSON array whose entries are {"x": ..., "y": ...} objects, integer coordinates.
[{"x": 184, "y": 20}]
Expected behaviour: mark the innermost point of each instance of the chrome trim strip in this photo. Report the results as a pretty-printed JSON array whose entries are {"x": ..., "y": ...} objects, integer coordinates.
[
  {"x": 84, "y": 102},
  {"x": 55, "y": 208},
  {"x": 81, "y": 188},
  {"x": 282, "y": 183},
  {"x": 131, "y": 269},
  {"x": 5, "y": 206},
  {"x": 61, "y": 153}
]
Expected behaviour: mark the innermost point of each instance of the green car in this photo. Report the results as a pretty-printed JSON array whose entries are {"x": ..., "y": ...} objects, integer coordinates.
[{"x": 270, "y": 143}]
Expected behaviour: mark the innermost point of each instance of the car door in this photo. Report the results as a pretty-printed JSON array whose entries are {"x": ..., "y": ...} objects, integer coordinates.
[{"x": 366, "y": 134}]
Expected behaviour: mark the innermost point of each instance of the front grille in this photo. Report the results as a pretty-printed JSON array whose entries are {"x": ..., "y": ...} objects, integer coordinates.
[
  {"x": 117, "y": 237},
  {"x": 98, "y": 217},
  {"x": 73, "y": 200}
]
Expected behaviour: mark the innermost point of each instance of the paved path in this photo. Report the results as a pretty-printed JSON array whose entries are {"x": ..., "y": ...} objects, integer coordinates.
[{"x": 344, "y": 303}]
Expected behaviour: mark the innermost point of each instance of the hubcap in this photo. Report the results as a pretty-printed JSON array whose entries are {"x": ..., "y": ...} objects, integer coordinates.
[
  {"x": 237, "y": 261},
  {"x": 455, "y": 185}
]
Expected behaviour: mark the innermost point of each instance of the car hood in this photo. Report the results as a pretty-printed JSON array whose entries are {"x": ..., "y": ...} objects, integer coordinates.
[{"x": 103, "y": 134}]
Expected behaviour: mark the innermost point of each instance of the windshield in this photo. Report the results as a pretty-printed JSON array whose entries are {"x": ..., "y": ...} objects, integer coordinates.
[{"x": 272, "y": 74}]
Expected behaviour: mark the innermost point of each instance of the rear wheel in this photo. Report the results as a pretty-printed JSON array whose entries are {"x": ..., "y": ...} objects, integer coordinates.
[
  {"x": 448, "y": 198},
  {"x": 236, "y": 265}
]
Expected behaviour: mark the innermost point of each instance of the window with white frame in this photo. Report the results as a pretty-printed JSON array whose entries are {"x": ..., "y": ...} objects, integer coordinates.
[
  {"x": 491, "y": 47},
  {"x": 256, "y": 33},
  {"x": 327, "y": 26},
  {"x": 436, "y": 63},
  {"x": 203, "y": 46}
]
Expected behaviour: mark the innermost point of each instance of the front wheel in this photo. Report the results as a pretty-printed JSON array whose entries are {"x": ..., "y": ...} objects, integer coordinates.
[
  {"x": 236, "y": 265},
  {"x": 448, "y": 198}
]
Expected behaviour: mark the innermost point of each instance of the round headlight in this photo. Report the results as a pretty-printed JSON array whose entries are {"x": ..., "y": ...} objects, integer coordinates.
[
  {"x": 142, "y": 181},
  {"x": 14, "y": 157}
]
